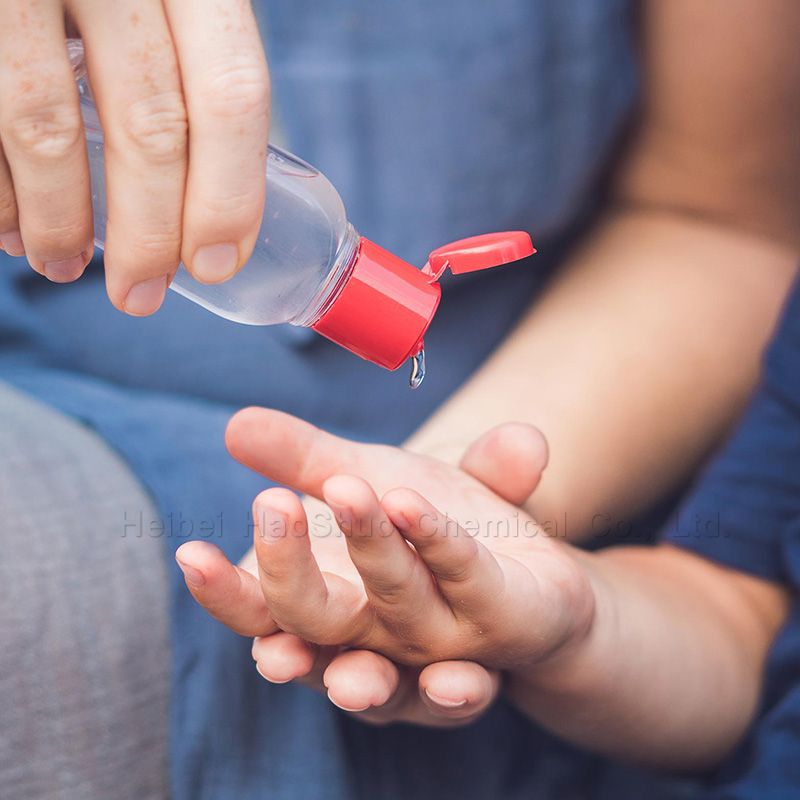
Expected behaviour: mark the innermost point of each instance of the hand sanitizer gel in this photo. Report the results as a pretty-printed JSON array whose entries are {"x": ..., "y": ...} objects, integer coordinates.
[{"x": 311, "y": 268}]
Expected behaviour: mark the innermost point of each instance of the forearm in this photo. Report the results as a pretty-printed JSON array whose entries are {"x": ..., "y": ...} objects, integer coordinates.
[
  {"x": 633, "y": 363},
  {"x": 670, "y": 671}
]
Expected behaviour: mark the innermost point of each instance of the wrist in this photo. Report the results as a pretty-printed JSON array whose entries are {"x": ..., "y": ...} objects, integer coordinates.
[{"x": 574, "y": 660}]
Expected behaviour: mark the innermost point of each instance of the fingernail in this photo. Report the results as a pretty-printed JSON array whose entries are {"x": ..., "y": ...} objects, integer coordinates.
[
  {"x": 192, "y": 574},
  {"x": 66, "y": 270},
  {"x": 267, "y": 677},
  {"x": 345, "y": 708},
  {"x": 215, "y": 262},
  {"x": 444, "y": 702},
  {"x": 12, "y": 243},
  {"x": 146, "y": 297},
  {"x": 271, "y": 523}
]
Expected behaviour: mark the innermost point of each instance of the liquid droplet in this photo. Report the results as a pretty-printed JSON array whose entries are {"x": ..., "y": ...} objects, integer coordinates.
[{"x": 417, "y": 369}]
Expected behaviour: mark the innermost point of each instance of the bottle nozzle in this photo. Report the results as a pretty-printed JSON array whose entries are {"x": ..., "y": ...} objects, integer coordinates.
[{"x": 384, "y": 309}]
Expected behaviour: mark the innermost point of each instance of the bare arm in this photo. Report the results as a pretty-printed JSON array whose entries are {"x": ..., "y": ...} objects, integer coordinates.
[
  {"x": 640, "y": 356},
  {"x": 670, "y": 672}
]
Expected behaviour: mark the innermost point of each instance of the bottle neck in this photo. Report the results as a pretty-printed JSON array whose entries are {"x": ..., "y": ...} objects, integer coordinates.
[{"x": 341, "y": 269}]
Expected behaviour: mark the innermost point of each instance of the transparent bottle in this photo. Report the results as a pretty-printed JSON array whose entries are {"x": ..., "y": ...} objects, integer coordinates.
[{"x": 311, "y": 268}]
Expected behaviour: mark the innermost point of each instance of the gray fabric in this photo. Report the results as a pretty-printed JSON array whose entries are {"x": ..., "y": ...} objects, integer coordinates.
[{"x": 84, "y": 660}]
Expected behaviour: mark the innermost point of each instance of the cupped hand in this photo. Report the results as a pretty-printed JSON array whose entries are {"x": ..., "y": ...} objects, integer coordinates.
[
  {"x": 183, "y": 94},
  {"x": 508, "y": 459}
]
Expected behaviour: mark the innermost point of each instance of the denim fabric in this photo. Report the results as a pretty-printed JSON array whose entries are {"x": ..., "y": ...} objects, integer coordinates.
[
  {"x": 745, "y": 513},
  {"x": 435, "y": 120}
]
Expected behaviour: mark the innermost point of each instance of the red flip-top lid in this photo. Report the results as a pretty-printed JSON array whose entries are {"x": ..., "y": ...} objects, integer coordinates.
[
  {"x": 480, "y": 252},
  {"x": 386, "y": 305}
]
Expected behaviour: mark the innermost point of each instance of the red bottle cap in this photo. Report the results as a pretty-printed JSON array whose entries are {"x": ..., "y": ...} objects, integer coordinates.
[{"x": 386, "y": 306}]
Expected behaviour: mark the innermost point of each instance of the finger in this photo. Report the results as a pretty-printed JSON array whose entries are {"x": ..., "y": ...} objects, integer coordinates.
[
  {"x": 43, "y": 141},
  {"x": 226, "y": 87},
  {"x": 283, "y": 657},
  {"x": 368, "y": 684},
  {"x": 466, "y": 572},
  {"x": 396, "y": 581},
  {"x": 458, "y": 689},
  {"x": 358, "y": 680},
  {"x": 323, "y": 610},
  {"x": 230, "y": 594},
  {"x": 292, "y": 452},
  {"x": 10, "y": 238},
  {"x": 135, "y": 78},
  {"x": 509, "y": 460}
]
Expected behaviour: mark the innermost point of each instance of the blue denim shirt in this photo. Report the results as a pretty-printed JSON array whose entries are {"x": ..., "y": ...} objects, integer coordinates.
[
  {"x": 435, "y": 120},
  {"x": 745, "y": 513}
]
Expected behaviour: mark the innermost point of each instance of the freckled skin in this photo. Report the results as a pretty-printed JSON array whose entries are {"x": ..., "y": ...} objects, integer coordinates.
[{"x": 148, "y": 62}]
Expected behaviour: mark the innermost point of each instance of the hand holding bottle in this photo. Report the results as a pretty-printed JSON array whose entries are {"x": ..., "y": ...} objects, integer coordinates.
[
  {"x": 148, "y": 137},
  {"x": 172, "y": 81}
]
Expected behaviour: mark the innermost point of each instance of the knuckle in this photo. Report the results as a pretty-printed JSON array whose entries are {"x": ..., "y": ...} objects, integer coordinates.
[
  {"x": 52, "y": 241},
  {"x": 237, "y": 86},
  {"x": 275, "y": 577},
  {"x": 45, "y": 130},
  {"x": 158, "y": 127},
  {"x": 458, "y": 572},
  {"x": 165, "y": 241},
  {"x": 391, "y": 593},
  {"x": 238, "y": 205},
  {"x": 151, "y": 257},
  {"x": 155, "y": 251},
  {"x": 393, "y": 590},
  {"x": 291, "y": 621}
]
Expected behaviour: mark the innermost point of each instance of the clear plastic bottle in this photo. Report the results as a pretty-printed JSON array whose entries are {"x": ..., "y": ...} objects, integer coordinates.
[{"x": 311, "y": 268}]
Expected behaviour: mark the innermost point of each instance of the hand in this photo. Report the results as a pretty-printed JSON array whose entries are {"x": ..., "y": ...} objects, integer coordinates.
[
  {"x": 170, "y": 77},
  {"x": 360, "y": 681},
  {"x": 510, "y": 458}
]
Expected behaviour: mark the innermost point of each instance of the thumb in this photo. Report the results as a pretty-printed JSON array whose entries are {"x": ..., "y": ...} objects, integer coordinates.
[
  {"x": 509, "y": 459},
  {"x": 290, "y": 451}
]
